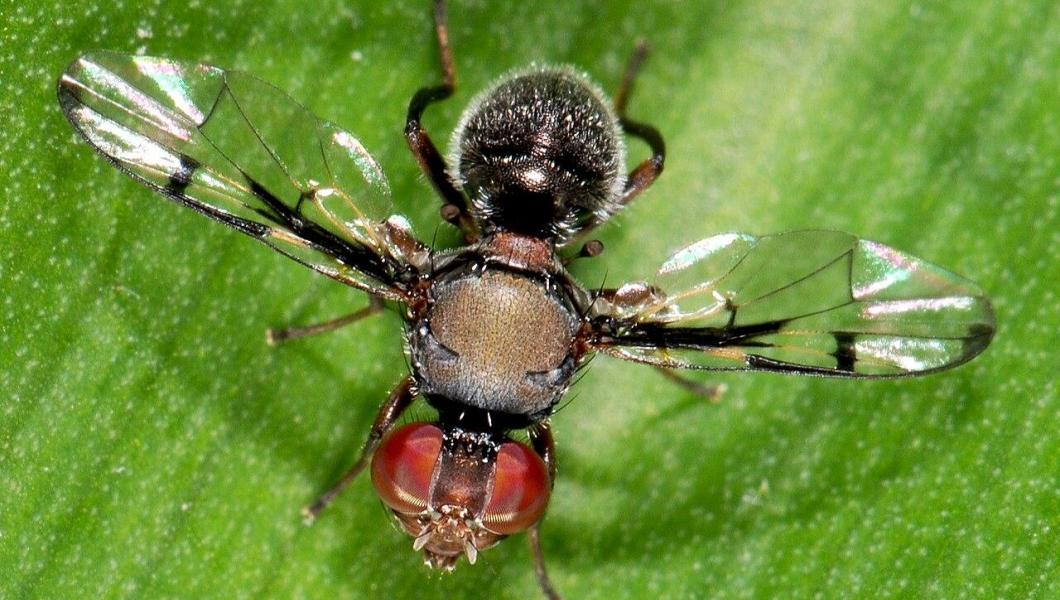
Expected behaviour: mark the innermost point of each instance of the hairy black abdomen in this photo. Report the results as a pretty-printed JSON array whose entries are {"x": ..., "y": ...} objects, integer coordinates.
[{"x": 539, "y": 153}]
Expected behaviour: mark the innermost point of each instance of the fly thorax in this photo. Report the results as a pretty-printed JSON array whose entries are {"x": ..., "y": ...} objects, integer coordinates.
[{"x": 495, "y": 340}]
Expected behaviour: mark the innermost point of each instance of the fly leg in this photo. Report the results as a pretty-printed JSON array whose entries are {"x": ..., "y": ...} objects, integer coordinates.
[
  {"x": 646, "y": 172},
  {"x": 641, "y": 177},
  {"x": 275, "y": 337},
  {"x": 539, "y": 564},
  {"x": 455, "y": 206},
  {"x": 399, "y": 400},
  {"x": 545, "y": 447},
  {"x": 710, "y": 392}
]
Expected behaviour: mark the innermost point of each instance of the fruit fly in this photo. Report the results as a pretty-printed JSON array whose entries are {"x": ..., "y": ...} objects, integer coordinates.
[{"x": 496, "y": 328}]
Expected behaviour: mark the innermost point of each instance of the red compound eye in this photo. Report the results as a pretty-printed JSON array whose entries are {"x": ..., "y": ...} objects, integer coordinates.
[
  {"x": 520, "y": 490},
  {"x": 403, "y": 466}
]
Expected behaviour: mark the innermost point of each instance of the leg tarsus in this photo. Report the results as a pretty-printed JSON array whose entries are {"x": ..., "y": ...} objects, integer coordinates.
[
  {"x": 539, "y": 564},
  {"x": 275, "y": 337},
  {"x": 712, "y": 393},
  {"x": 640, "y": 53},
  {"x": 391, "y": 410},
  {"x": 441, "y": 30}
]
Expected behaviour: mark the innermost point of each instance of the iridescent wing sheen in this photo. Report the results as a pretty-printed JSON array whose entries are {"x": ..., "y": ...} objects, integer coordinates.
[
  {"x": 244, "y": 153},
  {"x": 810, "y": 302}
]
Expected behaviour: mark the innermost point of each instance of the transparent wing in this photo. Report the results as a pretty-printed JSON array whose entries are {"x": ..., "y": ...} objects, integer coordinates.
[
  {"x": 244, "y": 153},
  {"x": 811, "y": 302}
]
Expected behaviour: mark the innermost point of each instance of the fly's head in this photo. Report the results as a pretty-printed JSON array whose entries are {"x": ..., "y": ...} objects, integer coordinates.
[{"x": 457, "y": 492}]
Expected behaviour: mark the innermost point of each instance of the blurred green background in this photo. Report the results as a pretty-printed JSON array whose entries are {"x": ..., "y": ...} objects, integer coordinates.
[{"x": 152, "y": 445}]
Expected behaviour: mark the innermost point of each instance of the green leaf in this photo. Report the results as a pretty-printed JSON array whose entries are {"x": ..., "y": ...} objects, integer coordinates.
[{"x": 152, "y": 445}]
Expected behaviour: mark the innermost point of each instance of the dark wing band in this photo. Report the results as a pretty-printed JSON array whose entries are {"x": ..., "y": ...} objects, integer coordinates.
[
  {"x": 243, "y": 153},
  {"x": 808, "y": 302}
]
